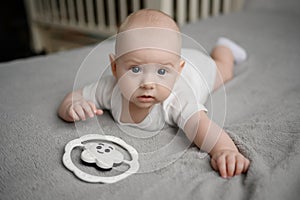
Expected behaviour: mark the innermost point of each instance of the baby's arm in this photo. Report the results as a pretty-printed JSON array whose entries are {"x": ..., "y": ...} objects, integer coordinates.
[
  {"x": 74, "y": 107},
  {"x": 225, "y": 156}
]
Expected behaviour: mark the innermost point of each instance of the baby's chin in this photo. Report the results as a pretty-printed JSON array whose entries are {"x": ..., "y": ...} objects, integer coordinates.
[{"x": 145, "y": 105}]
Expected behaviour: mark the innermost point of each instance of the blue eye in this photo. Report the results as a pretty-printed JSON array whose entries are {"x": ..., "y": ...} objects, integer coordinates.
[
  {"x": 136, "y": 69},
  {"x": 161, "y": 71}
]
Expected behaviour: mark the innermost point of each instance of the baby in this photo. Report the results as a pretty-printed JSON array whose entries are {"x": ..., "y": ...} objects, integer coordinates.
[{"x": 147, "y": 88}]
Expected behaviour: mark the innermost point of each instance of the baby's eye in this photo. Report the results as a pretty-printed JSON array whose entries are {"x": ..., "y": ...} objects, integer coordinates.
[
  {"x": 161, "y": 71},
  {"x": 99, "y": 147},
  {"x": 136, "y": 69},
  {"x": 107, "y": 150}
]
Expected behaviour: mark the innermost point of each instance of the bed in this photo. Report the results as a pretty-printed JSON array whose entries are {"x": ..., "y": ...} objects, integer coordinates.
[{"x": 262, "y": 117}]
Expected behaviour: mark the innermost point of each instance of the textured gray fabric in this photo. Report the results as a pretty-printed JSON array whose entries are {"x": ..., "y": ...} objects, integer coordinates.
[{"x": 263, "y": 118}]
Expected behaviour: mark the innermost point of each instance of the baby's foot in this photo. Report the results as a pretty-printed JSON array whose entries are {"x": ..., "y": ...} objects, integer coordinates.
[{"x": 239, "y": 54}]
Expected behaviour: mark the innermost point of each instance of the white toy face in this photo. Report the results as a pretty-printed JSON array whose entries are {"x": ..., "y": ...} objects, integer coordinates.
[
  {"x": 103, "y": 154},
  {"x": 104, "y": 148}
]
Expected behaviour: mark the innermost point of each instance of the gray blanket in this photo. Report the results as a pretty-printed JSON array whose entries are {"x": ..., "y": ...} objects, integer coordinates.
[{"x": 262, "y": 117}]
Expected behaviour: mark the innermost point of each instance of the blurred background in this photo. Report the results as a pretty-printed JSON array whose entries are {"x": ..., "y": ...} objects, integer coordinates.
[
  {"x": 38, "y": 27},
  {"x": 14, "y": 31}
]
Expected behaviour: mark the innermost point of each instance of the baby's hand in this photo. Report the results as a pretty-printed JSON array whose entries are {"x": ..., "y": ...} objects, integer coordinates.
[
  {"x": 229, "y": 163},
  {"x": 82, "y": 109}
]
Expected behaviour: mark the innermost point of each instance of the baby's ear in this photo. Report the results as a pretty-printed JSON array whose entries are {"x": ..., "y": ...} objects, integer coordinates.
[
  {"x": 113, "y": 64},
  {"x": 182, "y": 64}
]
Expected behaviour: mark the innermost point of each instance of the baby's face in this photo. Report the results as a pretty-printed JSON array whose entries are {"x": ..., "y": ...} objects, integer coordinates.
[{"x": 147, "y": 76}]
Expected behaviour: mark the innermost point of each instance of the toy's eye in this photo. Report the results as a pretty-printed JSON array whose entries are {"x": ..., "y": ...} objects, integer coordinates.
[
  {"x": 107, "y": 150},
  {"x": 99, "y": 147},
  {"x": 136, "y": 69},
  {"x": 161, "y": 71}
]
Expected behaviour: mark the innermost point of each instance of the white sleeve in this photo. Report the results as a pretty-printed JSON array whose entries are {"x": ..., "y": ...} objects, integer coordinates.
[
  {"x": 183, "y": 102},
  {"x": 179, "y": 111},
  {"x": 100, "y": 92}
]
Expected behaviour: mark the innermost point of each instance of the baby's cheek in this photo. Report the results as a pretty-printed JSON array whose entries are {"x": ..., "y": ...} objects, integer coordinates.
[
  {"x": 128, "y": 86},
  {"x": 164, "y": 92},
  {"x": 167, "y": 81}
]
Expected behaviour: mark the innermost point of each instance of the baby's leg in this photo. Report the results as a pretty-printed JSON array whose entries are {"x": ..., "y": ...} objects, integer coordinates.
[
  {"x": 224, "y": 60},
  {"x": 225, "y": 54}
]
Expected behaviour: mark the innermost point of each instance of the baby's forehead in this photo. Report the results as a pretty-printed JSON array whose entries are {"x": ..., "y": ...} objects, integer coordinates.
[
  {"x": 153, "y": 38},
  {"x": 153, "y": 56}
]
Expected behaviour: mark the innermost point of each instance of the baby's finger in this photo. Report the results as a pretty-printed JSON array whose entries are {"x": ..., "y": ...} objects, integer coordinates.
[
  {"x": 72, "y": 114},
  {"x": 87, "y": 109},
  {"x": 93, "y": 106},
  {"x": 239, "y": 165},
  {"x": 94, "y": 109},
  {"x": 221, "y": 162},
  {"x": 99, "y": 112},
  {"x": 230, "y": 165},
  {"x": 79, "y": 111},
  {"x": 246, "y": 165},
  {"x": 214, "y": 164}
]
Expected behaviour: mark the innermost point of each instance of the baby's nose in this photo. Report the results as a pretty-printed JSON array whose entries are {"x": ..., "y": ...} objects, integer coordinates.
[
  {"x": 148, "y": 81},
  {"x": 148, "y": 86}
]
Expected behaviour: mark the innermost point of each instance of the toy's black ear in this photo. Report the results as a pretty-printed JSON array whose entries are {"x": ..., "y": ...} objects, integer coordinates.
[{"x": 113, "y": 64}]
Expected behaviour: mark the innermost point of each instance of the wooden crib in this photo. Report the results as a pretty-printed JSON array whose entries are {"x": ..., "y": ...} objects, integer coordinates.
[{"x": 63, "y": 24}]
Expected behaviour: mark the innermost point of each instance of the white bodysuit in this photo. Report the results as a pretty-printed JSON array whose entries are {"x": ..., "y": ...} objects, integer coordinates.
[{"x": 189, "y": 94}]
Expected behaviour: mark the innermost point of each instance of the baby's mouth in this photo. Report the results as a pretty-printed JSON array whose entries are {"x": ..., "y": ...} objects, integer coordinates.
[{"x": 146, "y": 98}]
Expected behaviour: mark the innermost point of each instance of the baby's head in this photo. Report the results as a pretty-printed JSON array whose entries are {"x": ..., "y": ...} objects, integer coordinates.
[
  {"x": 148, "y": 18},
  {"x": 147, "y": 57}
]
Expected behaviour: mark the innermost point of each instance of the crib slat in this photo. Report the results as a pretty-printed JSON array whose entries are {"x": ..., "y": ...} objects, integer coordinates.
[
  {"x": 90, "y": 13},
  {"x": 181, "y": 12},
  {"x": 136, "y": 5},
  {"x": 100, "y": 13},
  {"x": 123, "y": 10},
  {"x": 71, "y": 11},
  {"x": 63, "y": 12},
  {"x": 215, "y": 7},
  {"x": 193, "y": 15},
  {"x": 236, "y": 5},
  {"x": 152, "y": 4},
  {"x": 167, "y": 7},
  {"x": 57, "y": 11},
  {"x": 226, "y": 6},
  {"x": 51, "y": 9},
  {"x": 204, "y": 8},
  {"x": 38, "y": 10},
  {"x": 47, "y": 10},
  {"x": 32, "y": 10},
  {"x": 80, "y": 13},
  {"x": 111, "y": 15},
  {"x": 43, "y": 10},
  {"x": 54, "y": 9}
]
